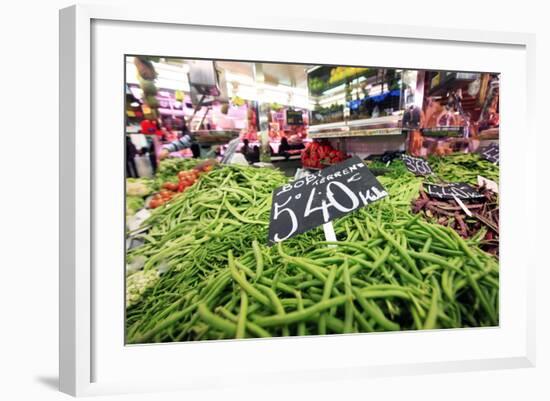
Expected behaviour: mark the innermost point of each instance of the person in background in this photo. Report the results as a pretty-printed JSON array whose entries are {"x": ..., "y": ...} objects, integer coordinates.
[
  {"x": 196, "y": 150},
  {"x": 148, "y": 127},
  {"x": 151, "y": 130},
  {"x": 131, "y": 152},
  {"x": 284, "y": 147},
  {"x": 152, "y": 152},
  {"x": 254, "y": 156},
  {"x": 214, "y": 153},
  {"x": 183, "y": 142},
  {"x": 167, "y": 134},
  {"x": 245, "y": 149}
]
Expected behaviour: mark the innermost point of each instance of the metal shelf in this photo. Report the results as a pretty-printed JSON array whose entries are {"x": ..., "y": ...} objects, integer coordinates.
[
  {"x": 393, "y": 119},
  {"x": 443, "y": 132},
  {"x": 357, "y": 133},
  {"x": 389, "y": 121}
]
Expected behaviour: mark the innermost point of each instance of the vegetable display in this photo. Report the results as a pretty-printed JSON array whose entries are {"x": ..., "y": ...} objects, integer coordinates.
[
  {"x": 168, "y": 170},
  {"x": 139, "y": 187},
  {"x": 318, "y": 155},
  {"x": 482, "y": 226},
  {"x": 134, "y": 204},
  {"x": 463, "y": 167},
  {"x": 215, "y": 277},
  {"x": 186, "y": 178}
]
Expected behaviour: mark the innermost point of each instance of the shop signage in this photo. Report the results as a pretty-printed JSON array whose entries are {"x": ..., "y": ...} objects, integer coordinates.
[
  {"x": 445, "y": 131},
  {"x": 318, "y": 198},
  {"x": 450, "y": 191},
  {"x": 294, "y": 117},
  {"x": 491, "y": 153},
  {"x": 416, "y": 165}
]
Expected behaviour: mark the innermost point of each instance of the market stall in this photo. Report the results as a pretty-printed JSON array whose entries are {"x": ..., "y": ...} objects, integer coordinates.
[{"x": 315, "y": 205}]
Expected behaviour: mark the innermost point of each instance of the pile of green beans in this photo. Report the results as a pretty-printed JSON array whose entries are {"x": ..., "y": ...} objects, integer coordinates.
[
  {"x": 456, "y": 167},
  {"x": 223, "y": 210},
  {"x": 188, "y": 238},
  {"x": 389, "y": 270},
  {"x": 463, "y": 167}
]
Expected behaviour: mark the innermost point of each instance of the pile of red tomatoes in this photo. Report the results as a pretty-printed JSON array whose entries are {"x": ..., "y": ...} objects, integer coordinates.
[{"x": 170, "y": 189}]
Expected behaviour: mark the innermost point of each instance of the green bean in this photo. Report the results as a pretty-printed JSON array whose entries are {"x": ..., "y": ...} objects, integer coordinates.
[
  {"x": 348, "y": 321},
  {"x": 312, "y": 269},
  {"x": 375, "y": 312},
  {"x": 241, "y": 323},
  {"x": 380, "y": 260},
  {"x": 402, "y": 251},
  {"x": 467, "y": 251},
  {"x": 251, "y": 327},
  {"x": 446, "y": 285},
  {"x": 363, "y": 323},
  {"x": 361, "y": 263},
  {"x": 431, "y": 319},
  {"x": 359, "y": 227},
  {"x": 369, "y": 294},
  {"x": 240, "y": 217},
  {"x": 245, "y": 285},
  {"x": 310, "y": 283},
  {"x": 259, "y": 260},
  {"x": 432, "y": 258},
  {"x": 301, "y": 324},
  {"x": 292, "y": 317},
  {"x": 405, "y": 274},
  {"x": 227, "y": 327},
  {"x": 327, "y": 290},
  {"x": 293, "y": 302},
  {"x": 438, "y": 233},
  {"x": 481, "y": 296},
  {"x": 276, "y": 305},
  {"x": 416, "y": 318}
]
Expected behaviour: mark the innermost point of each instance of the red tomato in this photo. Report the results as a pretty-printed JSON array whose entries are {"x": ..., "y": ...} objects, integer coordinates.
[{"x": 170, "y": 186}]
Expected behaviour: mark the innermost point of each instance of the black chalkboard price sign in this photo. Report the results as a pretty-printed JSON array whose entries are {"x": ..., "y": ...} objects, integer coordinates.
[
  {"x": 417, "y": 165},
  {"x": 491, "y": 153},
  {"x": 319, "y": 198},
  {"x": 449, "y": 191}
]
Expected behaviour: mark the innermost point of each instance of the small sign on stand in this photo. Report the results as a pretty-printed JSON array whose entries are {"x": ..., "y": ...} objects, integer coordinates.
[
  {"x": 455, "y": 190},
  {"x": 491, "y": 153},
  {"x": 417, "y": 165},
  {"x": 319, "y": 198}
]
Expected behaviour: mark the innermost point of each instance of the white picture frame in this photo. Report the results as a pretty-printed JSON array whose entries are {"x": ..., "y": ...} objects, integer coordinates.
[{"x": 93, "y": 358}]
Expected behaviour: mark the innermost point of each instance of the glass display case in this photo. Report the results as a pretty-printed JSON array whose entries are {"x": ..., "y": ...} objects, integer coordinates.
[{"x": 355, "y": 101}]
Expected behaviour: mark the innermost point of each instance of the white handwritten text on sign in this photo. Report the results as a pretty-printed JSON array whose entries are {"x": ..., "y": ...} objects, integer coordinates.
[{"x": 319, "y": 198}]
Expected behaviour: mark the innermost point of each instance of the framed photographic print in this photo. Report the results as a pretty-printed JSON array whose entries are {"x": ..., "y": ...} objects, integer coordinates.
[{"x": 296, "y": 200}]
